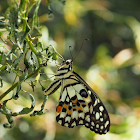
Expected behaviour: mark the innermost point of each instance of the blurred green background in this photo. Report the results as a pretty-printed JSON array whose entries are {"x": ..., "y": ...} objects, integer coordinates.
[{"x": 109, "y": 62}]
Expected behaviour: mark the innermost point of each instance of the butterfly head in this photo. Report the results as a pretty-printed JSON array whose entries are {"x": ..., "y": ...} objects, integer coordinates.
[
  {"x": 67, "y": 65},
  {"x": 68, "y": 62}
]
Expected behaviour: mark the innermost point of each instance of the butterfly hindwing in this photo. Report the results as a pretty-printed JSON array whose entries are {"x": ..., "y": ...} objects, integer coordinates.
[
  {"x": 100, "y": 122},
  {"x": 80, "y": 105}
]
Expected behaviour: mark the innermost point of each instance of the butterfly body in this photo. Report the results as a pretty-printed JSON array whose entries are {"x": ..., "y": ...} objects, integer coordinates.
[{"x": 78, "y": 103}]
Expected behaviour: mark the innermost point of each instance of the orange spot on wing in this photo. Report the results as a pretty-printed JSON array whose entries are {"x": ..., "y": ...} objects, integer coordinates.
[
  {"x": 74, "y": 101},
  {"x": 58, "y": 109},
  {"x": 65, "y": 106},
  {"x": 74, "y": 108},
  {"x": 69, "y": 111},
  {"x": 79, "y": 108}
]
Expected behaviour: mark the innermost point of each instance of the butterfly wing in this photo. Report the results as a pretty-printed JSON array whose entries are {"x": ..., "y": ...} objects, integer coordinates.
[{"x": 80, "y": 105}]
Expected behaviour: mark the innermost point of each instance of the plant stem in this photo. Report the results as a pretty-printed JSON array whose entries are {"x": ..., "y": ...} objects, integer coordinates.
[{"x": 15, "y": 85}]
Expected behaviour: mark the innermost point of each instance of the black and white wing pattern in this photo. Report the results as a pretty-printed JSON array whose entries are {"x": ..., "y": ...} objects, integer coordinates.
[{"x": 78, "y": 103}]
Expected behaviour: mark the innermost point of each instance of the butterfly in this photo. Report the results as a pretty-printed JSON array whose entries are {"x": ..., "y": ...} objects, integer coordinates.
[{"x": 78, "y": 103}]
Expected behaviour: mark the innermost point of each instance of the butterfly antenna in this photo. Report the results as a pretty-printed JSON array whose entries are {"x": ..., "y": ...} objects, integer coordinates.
[
  {"x": 71, "y": 52},
  {"x": 81, "y": 47}
]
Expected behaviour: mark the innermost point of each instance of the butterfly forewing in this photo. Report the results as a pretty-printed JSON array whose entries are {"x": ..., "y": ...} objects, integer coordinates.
[{"x": 78, "y": 103}]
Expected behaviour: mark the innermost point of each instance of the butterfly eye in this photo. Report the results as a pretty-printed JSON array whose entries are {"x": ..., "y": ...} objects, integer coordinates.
[
  {"x": 68, "y": 62},
  {"x": 83, "y": 93}
]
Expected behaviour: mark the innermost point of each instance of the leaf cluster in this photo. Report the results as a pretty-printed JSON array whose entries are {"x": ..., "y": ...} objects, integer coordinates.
[{"x": 22, "y": 53}]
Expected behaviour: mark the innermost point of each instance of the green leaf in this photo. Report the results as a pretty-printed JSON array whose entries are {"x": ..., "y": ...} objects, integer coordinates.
[
  {"x": 26, "y": 110},
  {"x": 42, "y": 111},
  {"x": 17, "y": 91},
  {"x": 2, "y": 18},
  {"x": 27, "y": 66},
  {"x": 2, "y": 24},
  {"x": 23, "y": 77},
  {"x": 19, "y": 58},
  {"x": 7, "y": 112},
  {"x": 26, "y": 32},
  {"x": 54, "y": 56}
]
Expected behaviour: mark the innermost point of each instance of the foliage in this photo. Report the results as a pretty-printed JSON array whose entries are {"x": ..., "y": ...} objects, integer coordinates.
[{"x": 23, "y": 35}]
